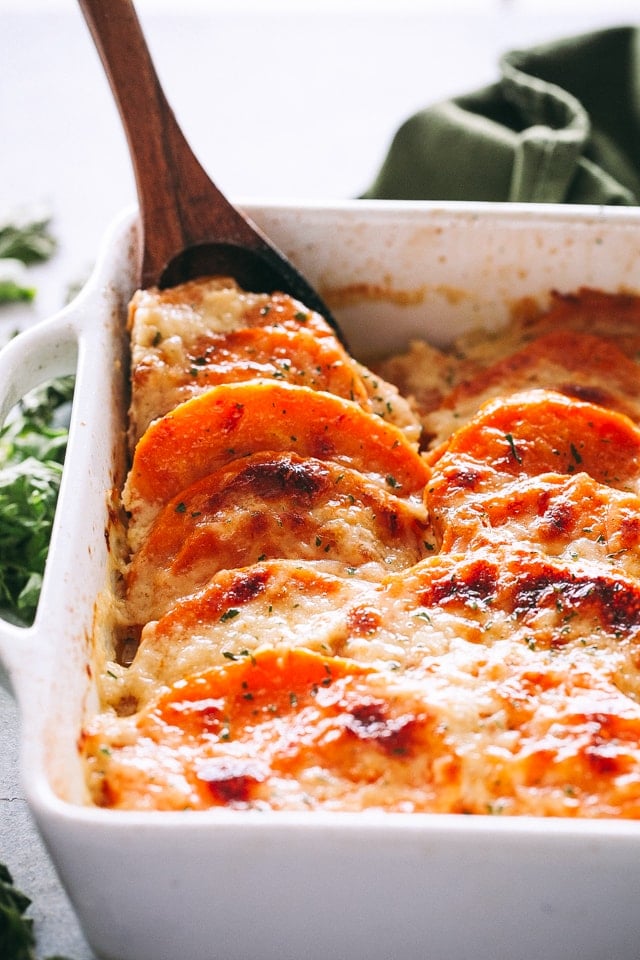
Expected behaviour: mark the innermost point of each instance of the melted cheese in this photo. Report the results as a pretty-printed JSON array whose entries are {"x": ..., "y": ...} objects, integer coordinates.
[
  {"x": 235, "y": 420},
  {"x": 328, "y": 618},
  {"x": 272, "y": 505},
  {"x": 187, "y": 339}
]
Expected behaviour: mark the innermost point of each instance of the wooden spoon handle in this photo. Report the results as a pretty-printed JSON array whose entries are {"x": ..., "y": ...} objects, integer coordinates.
[{"x": 179, "y": 204}]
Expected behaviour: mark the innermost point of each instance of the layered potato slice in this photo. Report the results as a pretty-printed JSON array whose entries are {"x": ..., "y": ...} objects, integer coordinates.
[
  {"x": 235, "y": 420},
  {"x": 538, "y": 467},
  {"x": 275, "y": 603},
  {"x": 585, "y": 345},
  {"x": 488, "y": 720},
  {"x": 293, "y": 730},
  {"x": 189, "y": 338},
  {"x": 576, "y": 364},
  {"x": 568, "y": 517},
  {"x": 460, "y": 607},
  {"x": 271, "y": 505},
  {"x": 614, "y": 316},
  {"x": 283, "y": 729},
  {"x": 540, "y": 431}
]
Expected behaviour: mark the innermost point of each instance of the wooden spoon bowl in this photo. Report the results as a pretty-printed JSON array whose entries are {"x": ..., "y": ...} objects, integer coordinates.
[{"x": 189, "y": 228}]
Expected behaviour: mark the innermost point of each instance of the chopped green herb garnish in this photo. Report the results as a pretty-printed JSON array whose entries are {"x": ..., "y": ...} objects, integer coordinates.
[
  {"x": 512, "y": 447},
  {"x": 229, "y": 614}
]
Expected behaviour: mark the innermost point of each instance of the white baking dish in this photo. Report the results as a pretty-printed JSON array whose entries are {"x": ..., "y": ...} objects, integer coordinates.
[{"x": 226, "y": 885}]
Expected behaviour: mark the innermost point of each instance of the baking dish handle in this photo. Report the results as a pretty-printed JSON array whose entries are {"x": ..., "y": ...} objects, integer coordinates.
[{"x": 38, "y": 354}]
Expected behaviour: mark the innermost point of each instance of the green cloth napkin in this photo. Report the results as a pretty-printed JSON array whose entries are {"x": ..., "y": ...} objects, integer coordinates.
[{"x": 562, "y": 125}]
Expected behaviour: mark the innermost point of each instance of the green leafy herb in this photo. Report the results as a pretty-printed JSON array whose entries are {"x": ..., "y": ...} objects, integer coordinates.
[
  {"x": 17, "y": 938},
  {"x": 32, "y": 448},
  {"x": 14, "y": 283},
  {"x": 16, "y": 931},
  {"x": 24, "y": 240},
  {"x": 27, "y": 239}
]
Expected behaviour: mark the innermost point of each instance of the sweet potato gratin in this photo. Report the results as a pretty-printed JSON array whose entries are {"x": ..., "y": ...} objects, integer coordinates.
[{"x": 332, "y": 597}]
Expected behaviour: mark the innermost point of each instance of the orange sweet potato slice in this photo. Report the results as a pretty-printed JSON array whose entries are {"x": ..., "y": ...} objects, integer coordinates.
[
  {"x": 571, "y": 517},
  {"x": 515, "y": 592},
  {"x": 482, "y": 486},
  {"x": 251, "y": 353},
  {"x": 266, "y": 506},
  {"x": 275, "y": 603},
  {"x": 219, "y": 303},
  {"x": 292, "y": 729},
  {"x": 577, "y": 364},
  {"x": 278, "y": 729},
  {"x": 499, "y": 595},
  {"x": 541, "y": 431},
  {"x": 615, "y": 316},
  {"x": 186, "y": 339},
  {"x": 236, "y": 420}
]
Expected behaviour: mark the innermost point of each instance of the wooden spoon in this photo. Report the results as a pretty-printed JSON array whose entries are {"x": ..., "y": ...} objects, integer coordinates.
[{"x": 189, "y": 228}]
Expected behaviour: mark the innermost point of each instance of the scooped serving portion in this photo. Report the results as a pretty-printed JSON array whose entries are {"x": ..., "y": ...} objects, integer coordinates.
[{"x": 410, "y": 586}]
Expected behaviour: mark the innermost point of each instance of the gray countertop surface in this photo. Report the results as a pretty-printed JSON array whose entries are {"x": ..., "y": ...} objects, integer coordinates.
[
  {"x": 21, "y": 849},
  {"x": 62, "y": 146}
]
